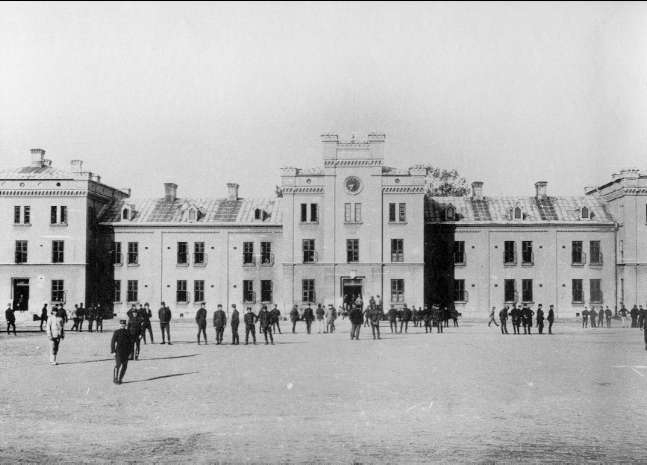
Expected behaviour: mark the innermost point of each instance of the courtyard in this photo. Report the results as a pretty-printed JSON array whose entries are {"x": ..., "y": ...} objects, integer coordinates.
[{"x": 468, "y": 395}]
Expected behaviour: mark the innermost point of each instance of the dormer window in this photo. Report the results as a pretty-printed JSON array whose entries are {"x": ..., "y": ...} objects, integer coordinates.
[
  {"x": 258, "y": 214},
  {"x": 518, "y": 215},
  {"x": 124, "y": 214},
  {"x": 450, "y": 213},
  {"x": 585, "y": 213},
  {"x": 127, "y": 213},
  {"x": 193, "y": 214}
]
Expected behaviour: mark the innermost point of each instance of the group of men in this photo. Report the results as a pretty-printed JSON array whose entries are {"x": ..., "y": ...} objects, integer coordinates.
[
  {"x": 91, "y": 314},
  {"x": 597, "y": 318},
  {"x": 523, "y": 317},
  {"x": 325, "y": 318}
]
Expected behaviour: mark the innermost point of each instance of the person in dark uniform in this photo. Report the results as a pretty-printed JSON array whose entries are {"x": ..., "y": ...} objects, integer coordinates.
[
  {"x": 406, "y": 317},
  {"x": 514, "y": 315},
  {"x": 81, "y": 316},
  {"x": 201, "y": 321},
  {"x": 62, "y": 313},
  {"x": 219, "y": 323},
  {"x": 437, "y": 318},
  {"x": 585, "y": 318},
  {"x": 319, "y": 314},
  {"x": 393, "y": 319},
  {"x": 503, "y": 318},
  {"x": 43, "y": 317},
  {"x": 99, "y": 318},
  {"x": 642, "y": 316},
  {"x": 146, "y": 323},
  {"x": 276, "y": 318},
  {"x": 415, "y": 315},
  {"x": 135, "y": 330},
  {"x": 529, "y": 314},
  {"x": 551, "y": 318},
  {"x": 121, "y": 346},
  {"x": 294, "y": 317},
  {"x": 11, "y": 319},
  {"x": 75, "y": 318},
  {"x": 235, "y": 319},
  {"x": 644, "y": 328},
  {"x": 623, "y": 315},
  {"x": 427, "y": 319},
  {"x": 164, "y": 315},
  {"x": 540, "y": 320},
  {"x": 608, "y": 314},
  {"x": 308, "y": 316},
  {"x": 265, "y": 324},
  {"x": 634, "y": 316},
  {"x": 375, "y": 315},
  {"x": 601, "y": 317},
  {"x": 250, "y": 326},
  {"x": 492, "y": 319},
  {"x": 356, "y": 318},
  {"x": 91, "y": 317}
]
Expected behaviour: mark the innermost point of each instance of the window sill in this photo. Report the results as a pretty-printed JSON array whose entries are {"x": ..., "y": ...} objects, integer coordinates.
[
  {"x": 133, "y": 265},
  {"x": 22, "y": 224},
  {"x": 597, "y": 264},
  {"x": 308, "y": 222},
  {"x": 395, "y": 261},
  {"x": 459, "y": 264},
  {"x": 351, "y": 223},
  {"x": 577, "y": 303},
  {"x": 60, "y": 225},
  {"x": 200, "y": 265},
  {"x": 528, "y": 302},
  {"x": 117, "y": 264},
  {"x": 578, "y": 264},
  {"x": 181, "y": 265},
  {"x": 21, "y": 263},
  {"x": 397, "y": 222},
  {"x": 182, "y": 303},
  {"x": 528, "y": 264},
  {"x": 58, "y": 263},
  {"x": 595, "y": 302},
  {"x": 510, "y": 264},
  {"x": 267, "y": 264},
  {"x": 199, "y": 302}
]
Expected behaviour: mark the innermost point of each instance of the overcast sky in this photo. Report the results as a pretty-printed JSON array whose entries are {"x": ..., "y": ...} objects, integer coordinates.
[{"x": 203, "y": 94}]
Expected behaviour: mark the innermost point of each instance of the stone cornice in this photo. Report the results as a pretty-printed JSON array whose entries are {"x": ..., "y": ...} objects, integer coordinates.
[
  {"x": 303, "y": 190},
  {"x": 352, "y": 163},
  {"x": 413, "y": 189},
  {"x": 43, "y": 193}
]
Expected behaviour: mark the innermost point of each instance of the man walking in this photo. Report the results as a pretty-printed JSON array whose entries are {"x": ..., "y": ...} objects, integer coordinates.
[
  {"x": 320, "y": 313},
  {"x": 164, "y": 315},
  {"x": 540, "y": 320},
  {"x": 503, "y": 318},
  {"x": 250, "y": 327},
  {"x": 356, "y": 318},
  {"x": 10, "y": 316},
  {"x": 201, "y": 321},
  {"x": 608, "y": 314},
  {"x": 623, "y": 315},
  {"x": 492, "y": 320},
  {"x": 276, "y": 318},
  {"x": 515, "y": 316},
  {"x": 146, "y": 322},
  {"x": 219, "y": 323},
  {"x": 75, "y": 318},
  {"x": 585, "y": 318},
  {"x": 134, "y": 330},
  {"x": 551, "y": 319},
  {"x": 375, "y": 315},
  {"x": 265, "y": 323},
  {"x": 308, "y": 316},
  {"x": 406, "y": 317},
  {"x": 235, "y": 319},
  {"x": 91, "y": 317},
  {"x": 43, "y": 317},
  {"x": 393, "y": 319},
  {"x": 120, "y": 345},
  {"x": 55, "y": 333},
  {"x": 294, "y": 317}
]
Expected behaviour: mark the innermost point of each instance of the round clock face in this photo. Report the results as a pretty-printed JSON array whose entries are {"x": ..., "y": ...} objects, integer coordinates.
[{"x": 353, "y": 184}]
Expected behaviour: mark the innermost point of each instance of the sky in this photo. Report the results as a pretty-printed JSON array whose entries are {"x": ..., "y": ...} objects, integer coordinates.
[{"x": 205, "y": 94}]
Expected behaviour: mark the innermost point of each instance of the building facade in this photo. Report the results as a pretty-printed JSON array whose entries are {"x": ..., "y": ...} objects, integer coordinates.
[{"x": 352, "y": 226}]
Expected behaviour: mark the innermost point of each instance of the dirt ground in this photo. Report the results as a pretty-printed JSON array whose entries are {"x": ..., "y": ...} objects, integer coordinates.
[{"x": 470, "y": 395}]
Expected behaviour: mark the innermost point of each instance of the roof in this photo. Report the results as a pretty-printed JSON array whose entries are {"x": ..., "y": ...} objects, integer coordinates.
[
  {"x": 534, "y": 210},
  {"x": 211, "y": 211},
  {"x": 36, "y": 172}
]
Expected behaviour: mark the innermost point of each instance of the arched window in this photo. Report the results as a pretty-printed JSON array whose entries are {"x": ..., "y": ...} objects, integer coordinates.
[
  {"x": 517, "y": 213},
  {"x": 450, "y": 213},
  {"x": 258, "y": 214},
  {"x": 125, "y": 213},
  {"x": 585, "y": 213}
]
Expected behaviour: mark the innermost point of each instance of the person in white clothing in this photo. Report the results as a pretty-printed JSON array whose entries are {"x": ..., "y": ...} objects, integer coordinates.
[{"x": 55, "y": 333}]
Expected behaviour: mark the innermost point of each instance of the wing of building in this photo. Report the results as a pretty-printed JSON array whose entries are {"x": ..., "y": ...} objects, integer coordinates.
[{"x": 352, "y": 227}]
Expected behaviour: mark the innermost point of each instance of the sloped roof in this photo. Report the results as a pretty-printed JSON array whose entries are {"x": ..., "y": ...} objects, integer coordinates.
[
  {"x": 212, "y": 211},
  {"x": 36, "y": 172},
  {"x": 497, "y": 210}
]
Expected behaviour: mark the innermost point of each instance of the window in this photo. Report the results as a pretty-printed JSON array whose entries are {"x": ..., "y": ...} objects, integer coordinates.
[
  {"x": 133, "y": 253},
  {"x": 527, "y": 257},
  {"x": 266, "y": 290},
  {"x": 392, "y": 216},
  {"x": 21, "y": 251},
  {"x": 257, "y": 214},
  {"x": 248, "y": 291},
  {"x": 526, "y": 290},
  {"x": 26, "y": 214},
  {"x": 16, "y": 214},
  {"x": 517, "y": 213},
  {"x": 460, "y": 295},
  {"x": 309, "y": 254},
  {"x": 266, "y": 253},
  {"x": 133, "y": 288},
  {"x": 347, "y": 213},
  {"x": 116, "y": 286},
  {"x": 26, "y": 217},
  {"x": 53, "y": 215},
  {"x": 182, "y": 253},
  {"x": 193, "y": 214},
  {"x": 116, "y": 253},
  {"x": 304, "y": 212},
  {"x": 352, "y": 250},
  {"x": 198, "y": 254},
  {"x": 459, "y": 252},
  {"x": 352, "y": 213},
  {"x": 58, "y": 290},
  {"x": 181, "y": 294},
  {"x": 198, "y": 291},
  {"x": 314, "y": 213},
  {"x": 596, "y": 291},
  {"x": 397, "y": 250},
  {"x": 577, "y": 291},
  {"x": 585, "y": 213},
  {"x": 595, "y": 253},
  {"x": 63, "y": 219},
  {"x": 402, "y": 212},
  {"x": 450, "y": 213},
  {"x": 58, "y": 251},
  {"x": 308, "y": 290},
  {"x": 509, "y": 290},
  {"x": 577, "y": 256},
  {"x": 358, "y": 213},
  {"x": 124, "y": 214},
  {"x": 397, "y": 290},
  {"x": 248, "y": 253},
  {"x": 509, "y": 253}
]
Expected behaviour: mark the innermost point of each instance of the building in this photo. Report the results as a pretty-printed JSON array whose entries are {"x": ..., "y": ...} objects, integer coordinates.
[{"x": 352, "y": 226}]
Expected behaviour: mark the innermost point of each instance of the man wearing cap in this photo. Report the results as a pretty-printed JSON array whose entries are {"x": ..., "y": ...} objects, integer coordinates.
[
  {"x": 219, "y": 323},
  {"x": 294, "y": 317},
  {"x": 276, "y": 317},
  {"x": 356, "y": 318},
  {"x": 11, "y": 319},
  {"x": 164, "y": 315},
  {"x": 250, "y": 328},
  {"x": 55, "y": 333},
  {"x": 235, "y": 320},
  {"x": 120, "y": 345},
  {"x": 99, "y": 318},
  {"x": 201, "y": 321},
  {"x": 308, "y": 316},
  {"x": 135, "y": 331},
  {"x": 375, "y": 315},
  {"x": 43, "y": 317},
  {"x": 146, "y": 322},
  {"x": 551, "y": 319},
  {"x": 406, "y": 317},
  {"x": 265, "y": 324},
  {"x": 393, "y": 319}
]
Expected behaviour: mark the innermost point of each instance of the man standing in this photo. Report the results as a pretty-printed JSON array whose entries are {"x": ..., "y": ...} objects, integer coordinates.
[
  {"x": 120, "y": 345},
  {"x": 99, "y": 317},
  {"x": 356, "y": 318},
  {"x": 55, "y": 333},
  {"x": 393, "y": 319},
  {"x": 375, "y": 315},
  {"x": 62, "y": 313},
  {"x": 294, "y": 317},
  {"x": 320, "y": 318},
  {"x": 164, "y": 315},
  {"x": 265, "y": 323},
  {"x": 437, "y": 318},
  {"x": 43, "y": 317},
  {"x": 201, "y": 321},
  {"x": 514, "y": 315},
  {"x": 540, "y": 320},
  {"x": 235, "y": 319},
  {"x": 551, "y": 319},
  {"x": 219, "y": 323},
  {"x": 585, "y": 318},
  {"x": 601, "y": 317},
  {"x": 644, "y": 328},
  {"x": 135, "y": 330},
  {"x": 308, "y": 316},
  {"x": 91, "y": 317},
  {"x": 503, "y": 318},
  {"x": 406, "y": 317},
  {"x": 250, "y": 328},
  {"x": 276, "y": 318},
  {"x": 634, "y": 316},
  {"x": 11, "y": 319},
  {"x": 623, "y": 315},
  {"x": 146, "y": 322},
  {"x": 608, "y": 314},
  {"x": 492, "y": 320},
  {"x": 427, "y": 319},
  {"x": 75, "y": 318}
]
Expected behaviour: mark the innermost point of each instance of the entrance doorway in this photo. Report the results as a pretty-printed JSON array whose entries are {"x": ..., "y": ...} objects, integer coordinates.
[
  {"x": 351, "y": 288},
  {"x": 20, "y": 293}
]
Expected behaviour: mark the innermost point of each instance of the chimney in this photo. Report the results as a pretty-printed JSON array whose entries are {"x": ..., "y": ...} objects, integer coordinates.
[
  {"x": 37, "y": 157},
  {"x": 170, "y": 191},
  {"x": 376, "y": 142},
  {"x": 540, "y": 189},
  {"x": 76, "y": 166},
  {"x": 232, "y": 191},
  {"x": 329, "y": 144},
  {"x": 477, "y": 190}
]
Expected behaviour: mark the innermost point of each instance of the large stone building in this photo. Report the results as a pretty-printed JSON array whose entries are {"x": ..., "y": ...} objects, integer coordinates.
[{"x": 351, "y": 226}]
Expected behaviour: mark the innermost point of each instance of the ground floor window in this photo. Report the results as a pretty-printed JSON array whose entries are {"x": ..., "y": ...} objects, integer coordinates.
[
  {"x": 116, "y": 286},
  {"x": 397, "y": 290},
  {"x": 526, "y": 290},
  {"x": 133, "y": 288},
  {"x": 596, "y": 291},
  {"x": 198, "y": 291},
  {"x": 509, "y": 290},
  {"x": 308, "y": 290},
  {"x": 181, "y": 295},
  {"x": 266, "y": 291},
  {"x": 460, "y": 295},
  {"x": 248, "y": 291},
  {"x": 58, "y": 290},
  {"x": 578, "y": 291}
]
